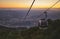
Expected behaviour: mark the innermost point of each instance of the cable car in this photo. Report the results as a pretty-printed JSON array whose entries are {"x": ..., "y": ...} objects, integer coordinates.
[{"x": 43, "y": 23}]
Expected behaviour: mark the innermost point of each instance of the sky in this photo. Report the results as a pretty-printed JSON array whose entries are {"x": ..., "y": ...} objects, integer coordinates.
[{"x": 27, "y": 3}]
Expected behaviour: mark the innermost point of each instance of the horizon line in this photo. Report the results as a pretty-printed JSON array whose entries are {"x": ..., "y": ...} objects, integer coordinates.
[{"x": 28, "y": 8}]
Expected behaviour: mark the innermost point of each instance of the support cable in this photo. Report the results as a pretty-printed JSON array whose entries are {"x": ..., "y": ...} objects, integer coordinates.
[
  {"x": 29, "y": 9},
  {"x": 48, "y": 9}
]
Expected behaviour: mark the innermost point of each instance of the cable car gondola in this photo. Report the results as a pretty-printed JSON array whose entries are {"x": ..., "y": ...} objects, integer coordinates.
[{"x": 43, "y": 23}]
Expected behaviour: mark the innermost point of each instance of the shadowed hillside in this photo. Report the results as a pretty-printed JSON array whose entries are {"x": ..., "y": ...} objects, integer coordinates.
[{"x": 53, "y": 32}]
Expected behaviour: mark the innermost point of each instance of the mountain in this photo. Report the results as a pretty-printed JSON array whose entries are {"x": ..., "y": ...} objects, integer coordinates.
[{"x": 53, "y": 32}]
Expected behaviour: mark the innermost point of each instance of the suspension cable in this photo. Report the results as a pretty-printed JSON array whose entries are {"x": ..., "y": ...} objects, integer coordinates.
[
  {"x": 29, "y": 9},
  {"x": 52, "y": 5},
  {"x": 48, "y": 8}
]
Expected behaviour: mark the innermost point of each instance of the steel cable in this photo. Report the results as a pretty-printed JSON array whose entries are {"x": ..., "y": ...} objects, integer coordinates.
[{"x": 29, "y": 9}]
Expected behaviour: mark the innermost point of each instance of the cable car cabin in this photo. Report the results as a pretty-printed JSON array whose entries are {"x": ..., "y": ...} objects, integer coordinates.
[{"x": 42, "y": 23}]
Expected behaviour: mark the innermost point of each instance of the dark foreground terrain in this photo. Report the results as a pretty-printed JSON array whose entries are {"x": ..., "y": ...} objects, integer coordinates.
[{"x": 53, "y": 32}]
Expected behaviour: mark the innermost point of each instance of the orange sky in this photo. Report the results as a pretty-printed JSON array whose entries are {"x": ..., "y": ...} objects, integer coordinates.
[{"x": 27, "y": 3}]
